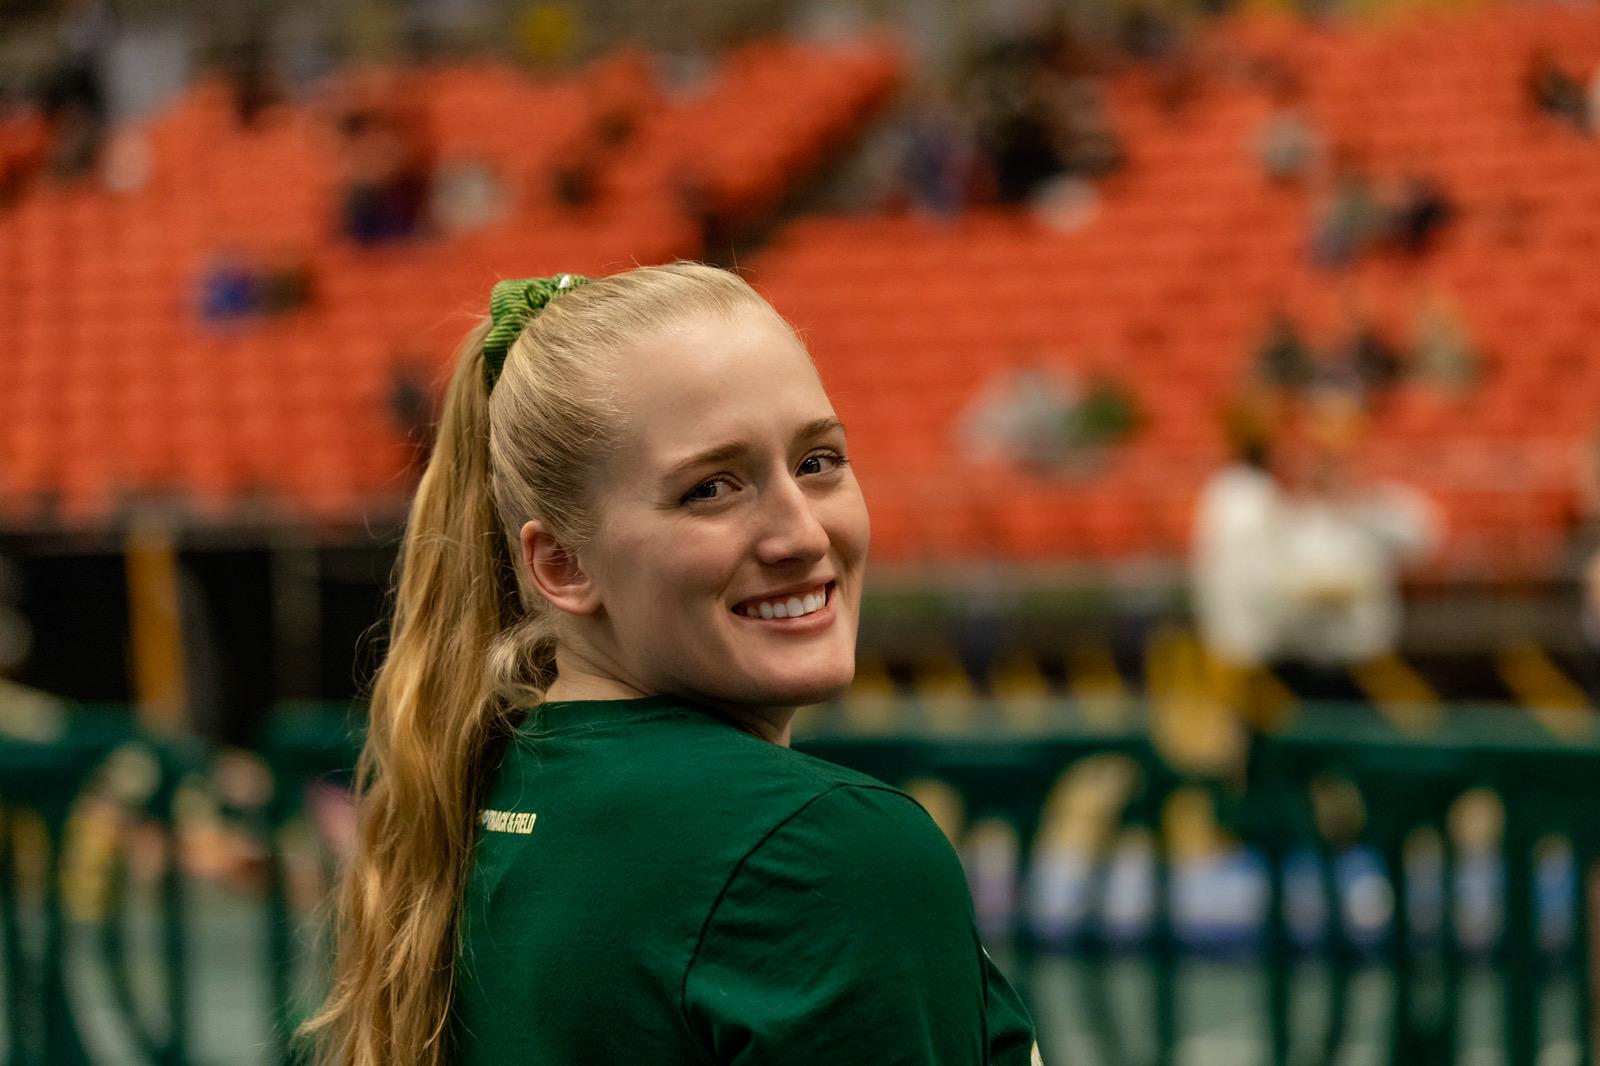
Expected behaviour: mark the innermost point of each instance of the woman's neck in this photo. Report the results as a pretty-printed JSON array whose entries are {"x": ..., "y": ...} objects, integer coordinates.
[
  {"x": 590, "y": 687},
  {"x": 576, "y": 679},
  {"x": 771, "y": 724}
]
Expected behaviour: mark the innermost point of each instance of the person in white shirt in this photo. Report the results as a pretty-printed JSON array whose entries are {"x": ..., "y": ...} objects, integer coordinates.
[
  {"x": 1233, "y": 570},
  {"x": 1234, "y": 573},
  {"x": 1343, "y": 543},
  {"x": 1297, "y": 563}
]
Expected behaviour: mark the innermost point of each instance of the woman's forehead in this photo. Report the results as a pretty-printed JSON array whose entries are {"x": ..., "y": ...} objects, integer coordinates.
[{"x": 711, "y": 377}]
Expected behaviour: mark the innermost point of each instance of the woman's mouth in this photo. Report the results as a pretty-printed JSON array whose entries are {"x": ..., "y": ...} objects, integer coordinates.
[{"x": 800, "y": 604}]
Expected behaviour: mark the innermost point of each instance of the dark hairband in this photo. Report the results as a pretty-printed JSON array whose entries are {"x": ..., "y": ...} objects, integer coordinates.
[{"x": 511, "y": 305}]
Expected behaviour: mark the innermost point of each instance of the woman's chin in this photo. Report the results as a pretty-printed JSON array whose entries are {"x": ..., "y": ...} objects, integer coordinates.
[{"x": 801, "y": 691}]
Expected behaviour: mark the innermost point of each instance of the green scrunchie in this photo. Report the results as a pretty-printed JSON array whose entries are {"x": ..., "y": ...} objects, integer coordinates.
[{"x": 511, "y": 304}]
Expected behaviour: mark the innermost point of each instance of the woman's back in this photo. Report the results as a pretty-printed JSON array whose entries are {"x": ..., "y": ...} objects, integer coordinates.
[{"x": 653, "y": 884}]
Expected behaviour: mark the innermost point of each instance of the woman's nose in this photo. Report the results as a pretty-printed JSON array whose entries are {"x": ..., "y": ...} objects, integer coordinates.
[{"x": 790, "y": 526}]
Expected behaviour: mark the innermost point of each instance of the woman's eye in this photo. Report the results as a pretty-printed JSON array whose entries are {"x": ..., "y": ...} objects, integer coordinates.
[
  {"x": 720, "y": 487},
  {"x": 821, "y": 463},
  {"x": 708, "y": 490}
]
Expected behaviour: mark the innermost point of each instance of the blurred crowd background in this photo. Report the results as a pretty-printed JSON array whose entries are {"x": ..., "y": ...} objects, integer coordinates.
[{"x": 1221, "y": 376}]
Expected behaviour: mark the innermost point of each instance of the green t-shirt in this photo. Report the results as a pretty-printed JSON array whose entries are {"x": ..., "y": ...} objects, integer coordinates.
[{"x": 652, "y": 884}]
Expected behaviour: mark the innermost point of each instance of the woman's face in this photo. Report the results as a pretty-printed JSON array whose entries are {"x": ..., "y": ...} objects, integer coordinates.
[{"x": 732, "y": 534}]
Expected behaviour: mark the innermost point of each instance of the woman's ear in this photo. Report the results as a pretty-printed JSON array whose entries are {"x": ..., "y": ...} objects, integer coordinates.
[{"x": 556, "y": 572}]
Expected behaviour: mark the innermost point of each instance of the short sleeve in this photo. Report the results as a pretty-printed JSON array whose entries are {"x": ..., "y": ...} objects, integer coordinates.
[
  {"x": 846, "y": 935},
  {"x": 1011, "y": 1037}
]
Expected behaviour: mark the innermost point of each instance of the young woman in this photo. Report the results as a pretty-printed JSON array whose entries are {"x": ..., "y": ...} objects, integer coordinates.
[{"x": 637, "y": 548}]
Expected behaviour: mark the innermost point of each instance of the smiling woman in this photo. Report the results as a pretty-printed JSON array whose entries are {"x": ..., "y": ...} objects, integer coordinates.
[
  {"x": 637, "y": 548},
  {"x": 726, "y": 486}
]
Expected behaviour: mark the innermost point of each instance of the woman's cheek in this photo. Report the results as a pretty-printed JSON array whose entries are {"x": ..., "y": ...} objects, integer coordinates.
[
  {"x": 698, "y": 564},
  {"x": 849, "y": 526}
]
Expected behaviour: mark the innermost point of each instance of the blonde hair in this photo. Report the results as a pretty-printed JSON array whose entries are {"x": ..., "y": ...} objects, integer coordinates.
[{"x": 472, "y": 645}]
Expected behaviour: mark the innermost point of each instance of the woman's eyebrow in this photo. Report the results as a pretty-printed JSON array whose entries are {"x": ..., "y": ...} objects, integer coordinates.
[
  {"x": 817, "y": 427},
  {"x": 722, "y": 453}
]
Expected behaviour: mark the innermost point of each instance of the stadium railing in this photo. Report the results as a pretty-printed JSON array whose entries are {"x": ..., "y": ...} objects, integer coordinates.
[{"x": 1407, "y": 776}]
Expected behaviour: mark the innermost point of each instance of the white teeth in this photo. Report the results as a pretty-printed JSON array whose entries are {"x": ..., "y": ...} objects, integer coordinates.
[{"x": 793, "y": 607}]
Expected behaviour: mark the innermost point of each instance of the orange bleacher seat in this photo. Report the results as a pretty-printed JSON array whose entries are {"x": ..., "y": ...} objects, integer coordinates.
[
  {"x": 1203, "y": 209},
  {"x": 1167, "y": 287},
  {"x": 274, "y": 189}
]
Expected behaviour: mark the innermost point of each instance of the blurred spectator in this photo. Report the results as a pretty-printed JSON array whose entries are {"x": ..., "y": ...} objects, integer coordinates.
[
  {"x": 235, "y": 286},
  {"x": 1442, "y": 355},
  {"x": 575, "y": 183},
  {"x": 575, "y": 179},
  {"x": 1027, "y": 114},
  {"x": 1419, "y": 211},
  {"x": 387, "y": 163},
  {"x": 410, "y": 405},
  {"x": 1060, "y": 128},
  {"x": 940, "y": 150},
  {"x": 1233, "y": 569},
  {"x": 1555, "y": 92},
  {"x": 1019, "y": 111},
  {"x": 227, "y": 289},
  {"x": 1286, "y": 145},
  {"x": 247, "y": 65},
  {"x": 1357, "y": 216},
  {"x": 1343, "y": 543},
  {"x": 1283, "y": 361},
  {"x": 1039, "y": 419},
  {"x": 1024, "y": 416},
  {"x": 467, "y": 196},
  {"x": 1367, "y": 358},
  {"x": 1108, "y": 414},
  {"x": 285, "y": 284},
  {"x": 716, "y": 228},
  {"x": 1361, "y": 367},
  {"x": 73, "y": 97},
  {"x": 1348, "y": 221},
  {"x": 1338, "y": 374},
  {"x": 411, "y": 408},
  {"x": 1021, "y": 146},
  {"x": 77, "y": 127}
]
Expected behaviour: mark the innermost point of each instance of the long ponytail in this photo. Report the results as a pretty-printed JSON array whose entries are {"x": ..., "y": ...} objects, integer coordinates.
[
  {"x": 433, "y": 722},
  {"x": 472, "y": 645}
]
